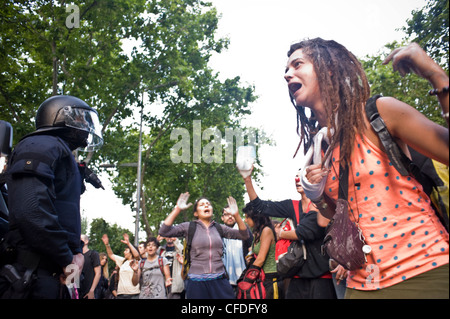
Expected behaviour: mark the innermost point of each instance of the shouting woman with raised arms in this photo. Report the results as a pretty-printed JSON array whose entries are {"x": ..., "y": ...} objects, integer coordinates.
[{"x": 207, "y": 278}]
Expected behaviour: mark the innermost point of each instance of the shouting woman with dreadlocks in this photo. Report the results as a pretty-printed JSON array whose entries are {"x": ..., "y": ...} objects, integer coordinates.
[{"x": 406, "y": 246}]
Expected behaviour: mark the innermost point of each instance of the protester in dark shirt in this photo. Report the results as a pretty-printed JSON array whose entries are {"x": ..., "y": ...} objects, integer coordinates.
[{"x": 91, "y": 271}]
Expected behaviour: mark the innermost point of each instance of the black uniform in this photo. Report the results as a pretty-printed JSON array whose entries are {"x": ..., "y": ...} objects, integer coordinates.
[{"x": 44, "y": 188}]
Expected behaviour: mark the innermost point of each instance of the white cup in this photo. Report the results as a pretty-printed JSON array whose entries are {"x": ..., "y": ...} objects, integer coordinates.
[{"x": 245, "y": 157}]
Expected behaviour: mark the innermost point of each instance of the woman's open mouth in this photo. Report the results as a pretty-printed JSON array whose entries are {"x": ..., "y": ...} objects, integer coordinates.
[{"x": 294, "y": 87}]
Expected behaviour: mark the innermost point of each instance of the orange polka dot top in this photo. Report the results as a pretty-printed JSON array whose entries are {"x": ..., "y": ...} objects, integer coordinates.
[{"x": 395, "y": 216}]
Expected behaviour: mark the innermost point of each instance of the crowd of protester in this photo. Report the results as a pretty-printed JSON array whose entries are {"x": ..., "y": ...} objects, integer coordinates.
[{"x": 405, "y": 242}]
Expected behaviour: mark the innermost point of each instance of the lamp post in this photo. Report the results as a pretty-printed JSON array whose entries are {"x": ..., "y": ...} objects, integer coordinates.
[{"x": 138, "y": 191}]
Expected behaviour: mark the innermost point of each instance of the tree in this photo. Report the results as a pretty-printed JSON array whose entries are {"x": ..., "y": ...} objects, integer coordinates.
[
  {"x": 115, "y": 234},
  {"x": 428, "y": 27},
  {"x": 51, "y": 47},
  {"x": 43, "y": 55}
]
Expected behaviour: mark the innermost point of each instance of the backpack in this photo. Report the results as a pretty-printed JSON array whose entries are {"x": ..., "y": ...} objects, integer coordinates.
[
  {"x": 188, "y": 244},
  {"x": 251, "y": 283},
  {"x": 432, "y": 175},
  {"x": 294, "y": 256},
  {"x": 282, "y": 245},
  {"x": 160, "y": 265}
]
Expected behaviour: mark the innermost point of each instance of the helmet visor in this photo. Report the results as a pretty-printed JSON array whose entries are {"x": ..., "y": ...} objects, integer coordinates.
[{"x": 85, "y": 120}]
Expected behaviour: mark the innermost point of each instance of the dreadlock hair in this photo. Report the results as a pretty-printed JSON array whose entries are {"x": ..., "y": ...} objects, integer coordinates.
[{"x": 344, "y": 90}]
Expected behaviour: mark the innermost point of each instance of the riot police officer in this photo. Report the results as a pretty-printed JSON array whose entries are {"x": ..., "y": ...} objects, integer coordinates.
[
  {"x": 6, "y": 135},
  {"x": 44, "y": 188}
]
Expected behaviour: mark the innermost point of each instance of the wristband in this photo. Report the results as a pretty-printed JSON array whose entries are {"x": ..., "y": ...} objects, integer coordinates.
[{"x": 438, "y": 91}]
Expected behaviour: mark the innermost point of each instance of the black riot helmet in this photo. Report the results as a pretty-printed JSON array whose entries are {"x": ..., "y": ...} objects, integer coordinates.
[{"x": 73, "y": 118}]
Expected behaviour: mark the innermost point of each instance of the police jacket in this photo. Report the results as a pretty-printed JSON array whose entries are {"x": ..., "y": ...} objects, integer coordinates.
[
  {"x": 306, "y": 229},
  {"x": 44, "y": 186}
]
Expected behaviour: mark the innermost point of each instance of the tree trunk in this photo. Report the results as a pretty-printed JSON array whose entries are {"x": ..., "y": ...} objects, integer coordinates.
[{"x": 55, "y": 70}]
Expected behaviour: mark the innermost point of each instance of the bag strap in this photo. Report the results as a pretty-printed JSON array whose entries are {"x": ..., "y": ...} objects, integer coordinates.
[
  {"x": 404, "y": 165},
  {"x": 343, "y": 182},
  {"x": 296, "y": 204},
  {"x": 343, "y": 176},
  {"x": 400, "y": 161},
  {"x": 219, "y": 229},
  {"x": 190, "y": 235},
  {"x": 161, "y": 264}
]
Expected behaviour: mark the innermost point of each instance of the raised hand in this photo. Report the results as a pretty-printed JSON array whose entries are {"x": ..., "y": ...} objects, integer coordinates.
[
  {"x": 412, "y": 59},
  {"x": 126, "y": 239},
  {"x": 245, "y": 173},
  {"x": 105, "y": 239},
  {"x": 232, "y": 206},
  {"x": 182, "y": 201}
]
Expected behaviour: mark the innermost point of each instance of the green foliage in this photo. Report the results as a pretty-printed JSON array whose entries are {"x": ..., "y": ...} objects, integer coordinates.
[
  {"x": 41, "y": 56},
  {"x": 410, "y": 89},
  {"x": 125, "y": 56},
  {"x": 429, "y": 28},
  {"x": 115, "y": 234},
  {"x": 129, "y": 55}
]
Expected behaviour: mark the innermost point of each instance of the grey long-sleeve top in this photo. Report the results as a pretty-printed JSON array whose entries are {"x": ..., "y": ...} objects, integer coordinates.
[{"x": 207, "y": 246}]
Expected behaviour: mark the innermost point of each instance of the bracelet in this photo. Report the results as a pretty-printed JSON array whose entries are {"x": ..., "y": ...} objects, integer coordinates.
[{"x": 438, "y": 91}]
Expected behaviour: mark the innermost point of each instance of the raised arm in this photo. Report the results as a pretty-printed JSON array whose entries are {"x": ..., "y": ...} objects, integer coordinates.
[
  {"x": 126, "y": 241},
  {"x": 413, "y": 58},
  {"x": 233, "y": 208},
  {"x": 266, "y": 240},
  {"x": 247, "y": 176},
  {"x": 109, "y": 251},
  {"x": 136, "y": 272},
  {"x": 182, "y": 204}
]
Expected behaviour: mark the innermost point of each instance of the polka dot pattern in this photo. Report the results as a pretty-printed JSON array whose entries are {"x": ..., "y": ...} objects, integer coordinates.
[{"x": 395, "y": 216}]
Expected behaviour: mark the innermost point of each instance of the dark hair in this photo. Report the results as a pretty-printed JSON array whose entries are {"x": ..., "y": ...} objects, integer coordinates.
[
  {"x": 344, "y": 90},
  {"x": 152, "y": 240},
  {"x": 260, "y": 222}
]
